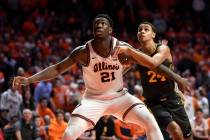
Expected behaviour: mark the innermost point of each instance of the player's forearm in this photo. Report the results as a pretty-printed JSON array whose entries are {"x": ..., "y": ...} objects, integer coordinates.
[
  {"x": 143, "y": 59},
  {"x": 163, "y": 70},
  {"x": 46, "y": 74}
]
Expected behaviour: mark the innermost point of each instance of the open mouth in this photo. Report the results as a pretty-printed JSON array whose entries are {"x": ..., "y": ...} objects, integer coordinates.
[{"x": 98, "y": 30}]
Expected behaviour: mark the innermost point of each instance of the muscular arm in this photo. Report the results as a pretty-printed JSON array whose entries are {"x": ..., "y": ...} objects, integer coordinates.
[
  {"x": 154, "y": 63},
  {"x": 148, "y": 61},
  {"x": 77, "y": 55},
  {"x": 183, "y": 83}
]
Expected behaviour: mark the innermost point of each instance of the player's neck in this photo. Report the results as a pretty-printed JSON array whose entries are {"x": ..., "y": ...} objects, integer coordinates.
[
  {"x": 102, "y": 46},
  {"x": 148, "y": 47}
]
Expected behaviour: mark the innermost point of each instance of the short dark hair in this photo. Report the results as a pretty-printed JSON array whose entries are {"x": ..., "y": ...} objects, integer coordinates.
[
  {"x": 59, "y": 111},
  {"x": 106, "y": 17},
  {"x": 150, "y": 24}
]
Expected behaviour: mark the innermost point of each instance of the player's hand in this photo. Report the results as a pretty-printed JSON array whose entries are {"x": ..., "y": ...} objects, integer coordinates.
[
  {"x": 164, "y": 42},
  {"x": 184, "y": 85},
  {"x": 20, "y": 81},
  {"x": 182, "y": 97}
]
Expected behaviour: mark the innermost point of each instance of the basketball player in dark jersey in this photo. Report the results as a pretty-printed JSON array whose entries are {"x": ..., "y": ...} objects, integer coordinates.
[{"x": 161, "y": 94}]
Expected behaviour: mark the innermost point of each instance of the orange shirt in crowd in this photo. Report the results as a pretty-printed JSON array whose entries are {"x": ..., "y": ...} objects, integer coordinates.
[
  {"x": 56, "y": 129},
  {"x": 60, "y": 94},
  {"x": 1, "y": 77},
  {"x": 45, "y": 111}
]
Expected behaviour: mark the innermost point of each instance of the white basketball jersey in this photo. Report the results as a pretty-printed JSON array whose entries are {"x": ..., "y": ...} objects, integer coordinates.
[{"x": 103, "y": 76}]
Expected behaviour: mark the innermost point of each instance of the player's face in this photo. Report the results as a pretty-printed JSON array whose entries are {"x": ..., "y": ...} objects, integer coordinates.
[
  {"x": 101, "y": 28},
  {"x": 145, "y": 33}
]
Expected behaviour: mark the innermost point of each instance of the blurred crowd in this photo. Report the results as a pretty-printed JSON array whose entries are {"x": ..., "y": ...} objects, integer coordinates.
[{"x": 36, "y": 34}]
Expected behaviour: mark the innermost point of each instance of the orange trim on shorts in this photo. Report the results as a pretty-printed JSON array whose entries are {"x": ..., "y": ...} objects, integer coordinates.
[
  {"x": 84, "y": 118},
  {"x": 126, "y": 112}
]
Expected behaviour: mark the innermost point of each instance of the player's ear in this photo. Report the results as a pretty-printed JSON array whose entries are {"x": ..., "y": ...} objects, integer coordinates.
[
  {"x": 110, "y": 30},
  {"x": 153, "y": 35},
  {"x": 138, "y": 33}
]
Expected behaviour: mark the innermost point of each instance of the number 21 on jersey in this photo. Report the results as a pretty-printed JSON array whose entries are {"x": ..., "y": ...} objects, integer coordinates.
[{"x": 107, "y": 77}]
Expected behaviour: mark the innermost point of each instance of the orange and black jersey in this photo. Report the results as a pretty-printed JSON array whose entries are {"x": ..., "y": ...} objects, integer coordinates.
[{"x": 155, "y": 86}]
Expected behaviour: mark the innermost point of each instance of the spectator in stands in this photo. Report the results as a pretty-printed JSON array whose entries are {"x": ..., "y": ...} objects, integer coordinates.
[
  {"x": 41, "y": 129},
  {"x": 190, "y": 104},
  {"x": 12, "y": 100},
  {"x": 28, "y": 101},
  {"x": 202, "y": 100},
  {"x": 199, "y": 126},
  {"x": 43, "y": 89},
  {"x": 43, "y": 110},
  {"x": 59, "y": 95},
  {"x": 10, "y": 129},
  {"x": 25, "y": 128},
  {"x": 57, "y": 126}
]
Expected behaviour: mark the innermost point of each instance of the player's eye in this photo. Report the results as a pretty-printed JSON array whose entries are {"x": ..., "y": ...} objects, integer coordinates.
[{"x": 146, "y": 29}]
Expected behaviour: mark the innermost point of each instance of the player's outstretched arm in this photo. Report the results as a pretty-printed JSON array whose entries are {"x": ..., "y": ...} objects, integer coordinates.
[
  {"x": 183, "y": 83},
  {"x": 51, "y": 71}
]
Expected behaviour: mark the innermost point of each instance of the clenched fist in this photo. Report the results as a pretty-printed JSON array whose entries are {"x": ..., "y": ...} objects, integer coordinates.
[{"x": 20, "y": 81}]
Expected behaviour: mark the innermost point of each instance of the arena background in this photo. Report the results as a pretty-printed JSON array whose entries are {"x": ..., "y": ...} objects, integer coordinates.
[{"x": 37, "y": 33}]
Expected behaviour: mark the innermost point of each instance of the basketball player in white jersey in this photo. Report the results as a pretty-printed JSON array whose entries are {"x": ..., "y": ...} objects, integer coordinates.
[{"x": 103, "y": 77}]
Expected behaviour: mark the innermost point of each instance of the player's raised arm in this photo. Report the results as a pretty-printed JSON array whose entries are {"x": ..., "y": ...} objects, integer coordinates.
[{"x": 77, "y": 55}]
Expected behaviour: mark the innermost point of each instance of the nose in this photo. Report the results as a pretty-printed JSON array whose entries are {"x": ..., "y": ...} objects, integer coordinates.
[
  {"x": 142, "y": 32},
  {"x": 99, "y": 25}
]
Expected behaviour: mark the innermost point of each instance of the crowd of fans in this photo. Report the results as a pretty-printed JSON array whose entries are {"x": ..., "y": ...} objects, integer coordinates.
[{"x": 36, "y": 34}]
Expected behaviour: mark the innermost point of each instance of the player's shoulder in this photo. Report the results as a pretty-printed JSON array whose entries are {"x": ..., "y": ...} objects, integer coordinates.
[
  {"x": 81, "y": 49},
  {"x": 125, "y": 44}
]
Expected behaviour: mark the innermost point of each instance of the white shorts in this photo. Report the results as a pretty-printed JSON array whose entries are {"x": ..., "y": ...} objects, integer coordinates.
[{"x": 92, "y": 110}]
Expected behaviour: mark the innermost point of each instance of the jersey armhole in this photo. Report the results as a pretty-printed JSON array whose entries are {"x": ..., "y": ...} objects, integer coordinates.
[{"x": 88, "y": 56}]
